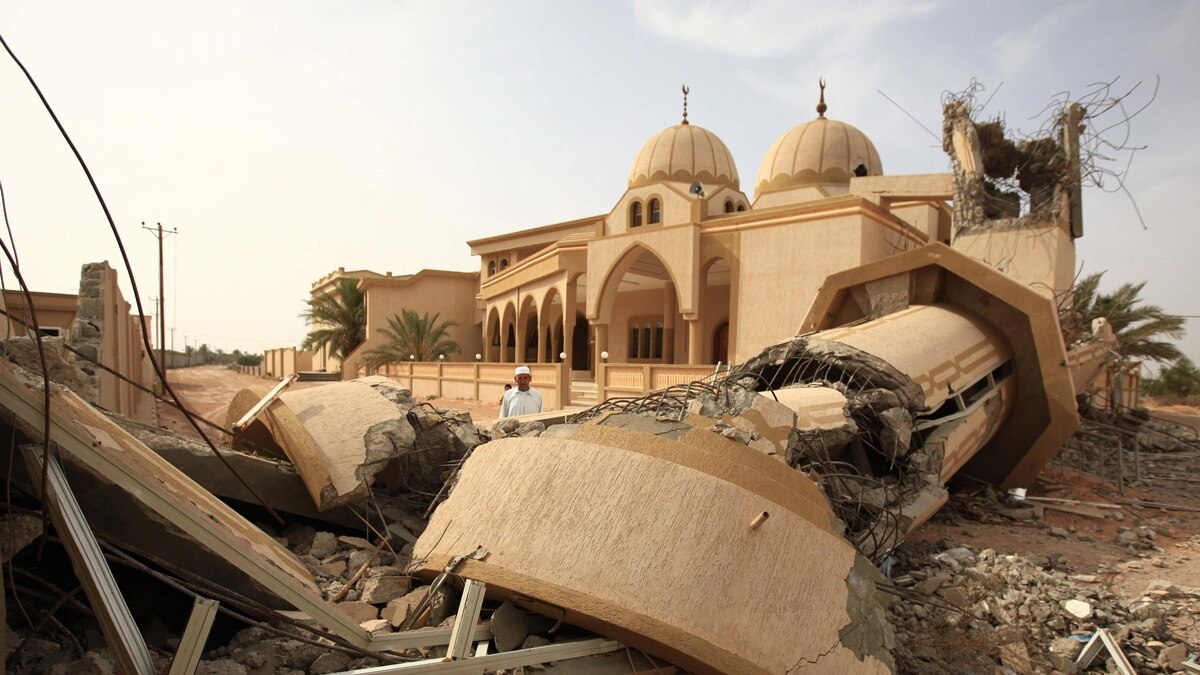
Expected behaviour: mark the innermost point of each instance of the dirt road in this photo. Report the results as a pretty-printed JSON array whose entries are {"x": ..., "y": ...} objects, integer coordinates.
[{"x": 207, "y": 391}]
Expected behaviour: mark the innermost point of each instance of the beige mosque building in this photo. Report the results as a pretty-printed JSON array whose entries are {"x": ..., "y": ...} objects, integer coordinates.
[{"x": 688, "y": 270}]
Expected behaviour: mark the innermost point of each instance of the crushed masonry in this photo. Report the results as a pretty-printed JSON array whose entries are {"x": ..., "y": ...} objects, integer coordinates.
[{"x": 768, "y": 519}]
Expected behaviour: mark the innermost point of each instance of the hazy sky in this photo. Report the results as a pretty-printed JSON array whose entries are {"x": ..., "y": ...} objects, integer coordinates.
[{"x": 285, "y": 139}]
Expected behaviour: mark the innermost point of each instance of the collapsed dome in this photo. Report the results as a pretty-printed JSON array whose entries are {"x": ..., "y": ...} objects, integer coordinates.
[
  {"x": 684, "y": 153},
  {"x": 820, "y": 152}
]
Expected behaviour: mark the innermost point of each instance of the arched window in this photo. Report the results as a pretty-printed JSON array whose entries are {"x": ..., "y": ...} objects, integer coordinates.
[
  {"x": 647, "y": 336},
  {"x": 633, "y": 340},
  {"x": 728, "y": 206},
  {"x": 741, "y": 207},
  {"x": 491, "y": 268},
  {"x": 635, "y": 214},
  {"x": 658, "y": 340},
  {"x": 860, "y": 170},
  {"x": 655, "y": 211},
  {"x": 504, "y": 263}
]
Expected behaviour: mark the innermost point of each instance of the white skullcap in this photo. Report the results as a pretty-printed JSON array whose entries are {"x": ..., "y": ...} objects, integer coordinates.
[{"x": 522, "y": 370}]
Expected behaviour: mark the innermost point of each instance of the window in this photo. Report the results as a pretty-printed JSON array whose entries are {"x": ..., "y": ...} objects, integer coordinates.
[
  {"x": 504, "y": 263},
  {"x": 645, "y": 339},
  {"x": 635, "y": 214},
  {"x": 655, "y": 212},
  {"x": 728, "y": 206},
  {"x": 491, "y": 268},
  {"x": 741, "y": 207},
  {"x": 860, "y": 170}
]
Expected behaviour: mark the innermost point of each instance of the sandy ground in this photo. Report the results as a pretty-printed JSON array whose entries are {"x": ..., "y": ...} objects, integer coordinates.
[{"x": 207, "y": 391}]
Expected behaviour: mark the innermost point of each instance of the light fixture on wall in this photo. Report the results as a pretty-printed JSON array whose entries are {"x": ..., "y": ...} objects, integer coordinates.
[
  {"x": 441, "y": 357},
  {"x": 479, "y": 357},
  {"x": 412, "y": 357},
  {"x": 604, "y": 355},
  {"x": 562, "y": 355}
]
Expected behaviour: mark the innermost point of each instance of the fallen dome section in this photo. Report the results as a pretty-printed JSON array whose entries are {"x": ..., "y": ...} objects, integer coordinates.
[{"x": 664, "y": 550}]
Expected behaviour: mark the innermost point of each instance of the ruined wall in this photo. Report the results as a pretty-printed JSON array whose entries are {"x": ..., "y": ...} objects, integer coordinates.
[
  {"x": 104, "y": 329},
  {"x": 1012, "y": 204}
]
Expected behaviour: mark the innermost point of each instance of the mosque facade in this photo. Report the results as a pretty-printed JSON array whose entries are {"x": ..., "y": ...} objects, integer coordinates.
[{"x": 688, "y": 270}]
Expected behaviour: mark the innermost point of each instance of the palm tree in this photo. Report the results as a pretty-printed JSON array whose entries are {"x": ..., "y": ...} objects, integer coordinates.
[
  {"x": 1181, "y": 379},
  {"x": 1138, "y": 326},
  {"x": 339, "y": 320},
  {"x": 411, "y": 335}
]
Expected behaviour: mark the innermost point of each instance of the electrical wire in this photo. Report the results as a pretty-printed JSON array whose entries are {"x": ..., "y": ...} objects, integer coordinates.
[{"x": 137, "y": 297}]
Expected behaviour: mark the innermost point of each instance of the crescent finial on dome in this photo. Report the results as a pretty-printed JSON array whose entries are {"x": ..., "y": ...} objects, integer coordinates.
[
  {"x": 685, "y": 93},
  {"x": 821, "y": 107}
]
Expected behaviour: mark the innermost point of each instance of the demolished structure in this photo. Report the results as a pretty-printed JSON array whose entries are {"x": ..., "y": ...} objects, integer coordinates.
[{"x": 744, "y": 523}]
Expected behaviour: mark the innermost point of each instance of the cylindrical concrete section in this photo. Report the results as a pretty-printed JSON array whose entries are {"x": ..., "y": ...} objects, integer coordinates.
[{"x": 942, "y": 348}]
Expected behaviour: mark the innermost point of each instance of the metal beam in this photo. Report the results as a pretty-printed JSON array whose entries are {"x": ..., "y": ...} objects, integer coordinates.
[
  {"x": 195, "y": 636},
  {"x": 468, "y": 616},
  {"x": 90, "y": 441},
  {"x": 429, "y": 637},
  {"x": 492, "y": 662},
  {"x": 262, "y": 404},
  {"x": 120, "y": 631}
]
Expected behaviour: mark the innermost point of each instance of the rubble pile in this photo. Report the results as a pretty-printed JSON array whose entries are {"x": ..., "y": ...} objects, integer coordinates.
[{"x": 975, "y": 610}]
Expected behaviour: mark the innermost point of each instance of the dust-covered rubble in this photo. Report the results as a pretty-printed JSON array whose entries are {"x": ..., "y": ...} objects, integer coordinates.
[{"x": 971, "y": 610}]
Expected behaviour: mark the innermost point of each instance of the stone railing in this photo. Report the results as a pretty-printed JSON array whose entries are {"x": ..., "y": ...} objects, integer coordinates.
[
  {"x": 639, "y": 379},
  {"x": 475, "y": 381}
]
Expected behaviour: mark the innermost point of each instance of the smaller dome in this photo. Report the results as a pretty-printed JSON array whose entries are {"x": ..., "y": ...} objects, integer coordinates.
[
  {"x": 820, "y": 152},
  {"x": 684, "y": 153}
]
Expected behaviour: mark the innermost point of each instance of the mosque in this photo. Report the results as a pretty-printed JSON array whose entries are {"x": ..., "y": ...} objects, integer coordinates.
[{"x": 687, "y": 271}]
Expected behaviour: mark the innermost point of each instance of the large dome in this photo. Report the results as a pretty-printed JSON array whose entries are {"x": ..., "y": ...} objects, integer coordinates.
[
  {"x": 820, "y": 152},
  {"x": 684, "y": 153}
]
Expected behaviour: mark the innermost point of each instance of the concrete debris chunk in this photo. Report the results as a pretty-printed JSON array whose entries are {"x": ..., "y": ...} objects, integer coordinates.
[
  {"x": 399, "y": 609},
  {"x": 1078, "y": 608},
  {"x": 333, "y": 662},
  {"x": 340, "y": 436},
  {"x": 384, "y": 587},
  {"x": 510, "y": 627},
  {"x": 359, "y": 611},
  {"x": 324, "y": 544},
  {"x": 17, "y": 530}
]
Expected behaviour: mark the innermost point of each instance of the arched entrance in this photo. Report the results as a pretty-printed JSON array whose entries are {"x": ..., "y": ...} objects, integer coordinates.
[{"x": 638, "y": 309}]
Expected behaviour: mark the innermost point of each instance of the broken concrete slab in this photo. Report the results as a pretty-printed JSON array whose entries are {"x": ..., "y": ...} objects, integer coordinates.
[
  {"x": 105, "y": 450},
  {"x": 324, "y": 432},
  {"x": 275, "y": 481}
]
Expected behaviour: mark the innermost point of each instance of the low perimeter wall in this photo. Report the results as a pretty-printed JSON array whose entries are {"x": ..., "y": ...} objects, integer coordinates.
[
  {"x": 638, "y": 379},
  {"x": 475, "y": 381}
]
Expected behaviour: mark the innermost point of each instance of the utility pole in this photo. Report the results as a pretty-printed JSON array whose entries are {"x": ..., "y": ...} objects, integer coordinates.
[
  {"x": 160, "y": 233},
  {"x": 154, "y": 301}
]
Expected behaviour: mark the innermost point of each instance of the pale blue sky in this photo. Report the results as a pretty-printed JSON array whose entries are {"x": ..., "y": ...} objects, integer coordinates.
[{"x": 285, "y": 139}]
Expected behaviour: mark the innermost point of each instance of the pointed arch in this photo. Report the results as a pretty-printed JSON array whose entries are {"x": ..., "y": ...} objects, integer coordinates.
[{"x": 610, "y": 286}]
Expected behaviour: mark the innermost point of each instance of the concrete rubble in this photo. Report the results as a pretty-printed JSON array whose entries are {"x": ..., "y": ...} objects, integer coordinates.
[{"x": 763, "y": 521}]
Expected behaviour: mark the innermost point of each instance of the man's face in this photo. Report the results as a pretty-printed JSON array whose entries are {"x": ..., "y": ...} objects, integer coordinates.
[{"x": 523, "y": 382}]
